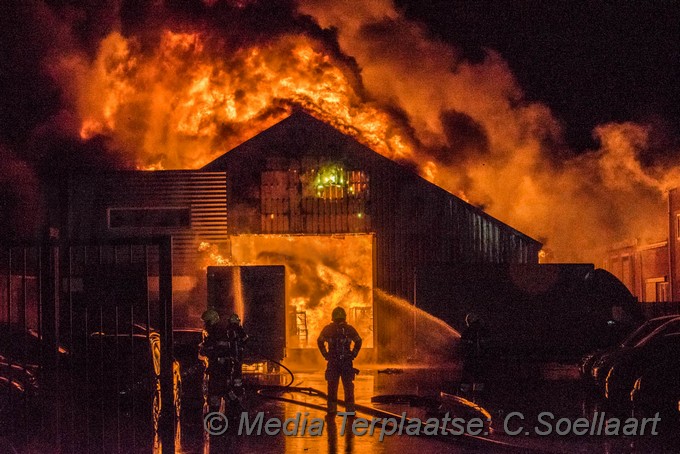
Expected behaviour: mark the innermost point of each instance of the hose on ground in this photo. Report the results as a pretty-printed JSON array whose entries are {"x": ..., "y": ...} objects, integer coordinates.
[{"x": 271, "y": 391}]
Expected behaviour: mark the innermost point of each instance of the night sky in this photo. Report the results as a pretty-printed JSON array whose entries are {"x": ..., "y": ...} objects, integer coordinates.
[{"x": 592, "y": 62}]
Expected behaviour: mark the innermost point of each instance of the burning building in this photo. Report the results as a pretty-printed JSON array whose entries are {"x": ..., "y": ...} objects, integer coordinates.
[{"x": 344, "y": 220}]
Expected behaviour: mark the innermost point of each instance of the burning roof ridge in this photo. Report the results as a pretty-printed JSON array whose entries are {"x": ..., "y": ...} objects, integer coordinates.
[{"x": 303, "y": 115}]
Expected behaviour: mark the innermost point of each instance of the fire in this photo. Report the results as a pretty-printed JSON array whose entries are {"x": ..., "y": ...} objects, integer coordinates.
[
  {"x": 183, "y": 92},
  {"x": 323, "y": 272},
  {"x": 212, "y": 256},
  {"x": 185, "y": 103}
]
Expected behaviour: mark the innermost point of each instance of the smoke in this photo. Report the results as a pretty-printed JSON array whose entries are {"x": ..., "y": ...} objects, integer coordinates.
[
  {"x": 175, "y": 84},
  {"x": 481, "y": 139},
  {"x": 39, "y": 145}
]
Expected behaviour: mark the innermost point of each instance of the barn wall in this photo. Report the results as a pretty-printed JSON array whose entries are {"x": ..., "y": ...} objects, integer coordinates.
[
  {"x": 415, "y": 222},
  {"x": 93, "y": 201},
  {"x": 673, "y": 243}
]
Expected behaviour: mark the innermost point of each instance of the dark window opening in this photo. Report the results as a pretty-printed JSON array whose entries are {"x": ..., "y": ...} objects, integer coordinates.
[{"x": 149, "y": 217}]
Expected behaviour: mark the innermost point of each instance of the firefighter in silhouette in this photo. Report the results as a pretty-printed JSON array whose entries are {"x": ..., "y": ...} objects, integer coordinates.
[
  {"x": 339, "y": 344},
  {"x": 222, "y": 349},
  {"x": 475, "y": 342}
]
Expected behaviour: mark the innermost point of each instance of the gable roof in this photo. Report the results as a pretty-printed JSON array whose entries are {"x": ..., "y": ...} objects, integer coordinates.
[{"x": 302, "y": 135}]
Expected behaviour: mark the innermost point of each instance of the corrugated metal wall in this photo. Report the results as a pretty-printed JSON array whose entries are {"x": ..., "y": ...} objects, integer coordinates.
[
  {"x": 417, "y": 223},
  {"x": 203, "y": 194}
]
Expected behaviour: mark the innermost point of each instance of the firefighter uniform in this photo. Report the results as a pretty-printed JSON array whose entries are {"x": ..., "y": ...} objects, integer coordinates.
[
  {"x": 339, "y": 344},
  {"x": 223, "y": 345}
]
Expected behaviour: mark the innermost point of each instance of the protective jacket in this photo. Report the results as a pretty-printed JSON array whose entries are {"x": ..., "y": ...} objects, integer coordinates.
[
  {"x": 339, "y": 336},
  {"x": 224, "y": 342},
  {"x": 223, "y": 346}
]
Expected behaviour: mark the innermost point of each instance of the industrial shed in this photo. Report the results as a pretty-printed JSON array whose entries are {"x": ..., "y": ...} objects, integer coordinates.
[
  {"x": 302, "y": 177},
  {"x": 415, "y": 222},
  {"x": 344, "y": 220}
]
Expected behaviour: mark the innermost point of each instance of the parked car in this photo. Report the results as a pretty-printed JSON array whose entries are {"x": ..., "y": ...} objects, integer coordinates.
[
  {"x": 186, "y": 343},
  {"x": 590, "y": 359},
  {"x": 627, "y": 368},
  {"x": 26, "y": 346},
  {"x": 127, "y": 367},
  {"x": 18, "y": 388},
  {"x": 22, "y": 352},
  {"x": 602, "y": 366},
  {"x": 658, "y": 390}
]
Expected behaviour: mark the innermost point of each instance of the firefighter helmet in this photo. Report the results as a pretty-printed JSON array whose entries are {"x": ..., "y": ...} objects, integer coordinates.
[
  {"x": 339, "y": 314},
  {"x": 210, "y": 316},
  {"x": 234, "y": 319}
]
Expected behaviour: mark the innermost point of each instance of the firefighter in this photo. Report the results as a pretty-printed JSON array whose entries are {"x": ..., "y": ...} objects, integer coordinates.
[
  {"x": 222, "y": 348},
  {"x": 475, "y": 342},
  {"x": 343, "y": 346}
]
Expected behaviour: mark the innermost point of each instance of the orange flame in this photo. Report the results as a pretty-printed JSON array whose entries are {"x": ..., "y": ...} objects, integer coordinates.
[
  {"x": 190, "y": 98},
  {"x": 323, "y": 272},
  {"x": 213, "y": 256},
  {"x": 182, "y": 106}
]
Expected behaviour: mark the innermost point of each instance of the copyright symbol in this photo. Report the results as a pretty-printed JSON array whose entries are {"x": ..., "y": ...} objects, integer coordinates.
[{"x": 215, "y": 423}]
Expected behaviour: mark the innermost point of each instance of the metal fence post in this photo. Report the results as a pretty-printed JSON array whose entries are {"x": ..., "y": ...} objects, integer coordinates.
[
  {"x": 49, "y": 302},
  {"x": 168, "y": 416}
]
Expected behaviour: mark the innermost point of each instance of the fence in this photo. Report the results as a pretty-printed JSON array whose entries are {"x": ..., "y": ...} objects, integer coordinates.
[{"x": 86, "y": 346}]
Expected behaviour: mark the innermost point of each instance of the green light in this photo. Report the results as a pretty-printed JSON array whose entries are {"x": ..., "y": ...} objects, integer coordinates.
[{"x": 331, "y": 175}]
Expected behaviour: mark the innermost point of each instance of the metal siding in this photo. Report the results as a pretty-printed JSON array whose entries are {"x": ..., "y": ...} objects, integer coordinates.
[{"x": 203, "y": 192}]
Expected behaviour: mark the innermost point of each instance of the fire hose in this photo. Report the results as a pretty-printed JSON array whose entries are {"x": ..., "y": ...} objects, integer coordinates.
[{"x": 272, "y": 392}]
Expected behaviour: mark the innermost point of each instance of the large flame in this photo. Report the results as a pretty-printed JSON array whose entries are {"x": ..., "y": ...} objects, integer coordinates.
[
  {"x": 182, "y": 105},
  {"x": 178, "y": 95},
  {"x": 322, "y": 272}
]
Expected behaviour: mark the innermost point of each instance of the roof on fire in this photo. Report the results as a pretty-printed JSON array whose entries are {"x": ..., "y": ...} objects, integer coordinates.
[{"x": 302, "y": 135}]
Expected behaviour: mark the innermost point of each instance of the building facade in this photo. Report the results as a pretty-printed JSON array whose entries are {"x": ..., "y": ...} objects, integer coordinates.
[
  {"x": 642, "y": 268},
  {"x": 344, "y": 220},
  {"x": 651, "y": 271}
]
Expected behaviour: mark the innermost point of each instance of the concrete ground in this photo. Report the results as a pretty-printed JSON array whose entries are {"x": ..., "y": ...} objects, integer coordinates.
[
  {"x": 512, "y": 387},
  {"x": 529, "y": 389}
]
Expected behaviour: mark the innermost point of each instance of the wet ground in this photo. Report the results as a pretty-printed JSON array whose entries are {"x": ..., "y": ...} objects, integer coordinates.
[{"x": 529, "y": 389}]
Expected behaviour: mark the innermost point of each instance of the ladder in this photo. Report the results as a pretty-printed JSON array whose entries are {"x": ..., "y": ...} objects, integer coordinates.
[{"x": 301, "y": 326}]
